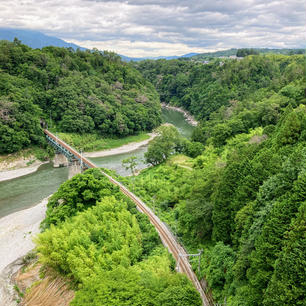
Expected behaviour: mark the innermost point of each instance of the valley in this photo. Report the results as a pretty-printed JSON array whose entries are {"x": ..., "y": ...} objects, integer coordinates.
[{"x": 231, "y": 188}]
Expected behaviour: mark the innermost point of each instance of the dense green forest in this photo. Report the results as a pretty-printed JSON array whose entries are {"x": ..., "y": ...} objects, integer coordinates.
[
  {"x": 242, "y": 199},
  {"x": 204, "y": 88},
  {"x": 78, "y": 91},
  {"x": 107, "y": 250},
  {"x": 237, "y": 190}
]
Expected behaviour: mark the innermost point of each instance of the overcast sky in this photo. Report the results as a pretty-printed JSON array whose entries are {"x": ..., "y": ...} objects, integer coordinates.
[{"x": 163, "y": 27}]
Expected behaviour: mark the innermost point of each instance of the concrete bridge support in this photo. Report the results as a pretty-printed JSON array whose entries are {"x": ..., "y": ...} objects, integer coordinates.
[
  {"x": 74, "y": 168},
  {"x": 60, "y": 160}
]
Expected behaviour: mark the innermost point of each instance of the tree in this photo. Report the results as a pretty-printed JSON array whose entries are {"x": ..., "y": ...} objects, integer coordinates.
[
  {"x": 148, "y": 283},
  {"x": 99, "y": 239},
  {"x": 80, "y": 88},
  {"x": 245, "y": 52},
  {"x": 130, "y": 163},
  {"x": 163, "y": 145},
  {"x": 218, "y": 269},
  {"x": 288, "y": 283},
  {"x": 78, "y": 194},
  {"x": 193, "y": 148}
]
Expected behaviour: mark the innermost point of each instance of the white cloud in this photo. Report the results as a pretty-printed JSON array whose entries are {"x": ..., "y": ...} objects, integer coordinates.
[
  {"x": 140, "y": 48},
  {"x": 162, "y": 27}
]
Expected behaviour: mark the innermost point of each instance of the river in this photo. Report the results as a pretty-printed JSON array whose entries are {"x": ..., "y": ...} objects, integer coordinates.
[{"x": 28, "y": 190}]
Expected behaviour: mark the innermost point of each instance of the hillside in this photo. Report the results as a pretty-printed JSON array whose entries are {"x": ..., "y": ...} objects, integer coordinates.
[
  {"x": 202, "y": 89},
  {"x": 39, "y": 40},
  {"x": 75, "y": 91},
  {"x": 238, "y": 192},
  {"x": 241, "y": 196},
  {"x": 138, "y": 59}
]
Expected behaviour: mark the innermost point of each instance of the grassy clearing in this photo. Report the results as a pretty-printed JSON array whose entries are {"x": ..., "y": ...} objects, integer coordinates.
[
  {"x": 182, "y": 161},
  {"x": 94, "y": 142}
]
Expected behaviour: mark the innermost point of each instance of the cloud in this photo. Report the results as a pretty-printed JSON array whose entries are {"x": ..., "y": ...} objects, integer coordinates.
[{"x": 162, "y": 27}]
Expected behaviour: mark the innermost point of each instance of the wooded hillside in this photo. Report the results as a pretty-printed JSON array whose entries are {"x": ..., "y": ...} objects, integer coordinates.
[
  {"x": 243, "y": 198},
  {"x": 76, "y": 91}
]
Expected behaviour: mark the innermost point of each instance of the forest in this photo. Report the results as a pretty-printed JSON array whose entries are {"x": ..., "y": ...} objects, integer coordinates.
[
  {"x": 236, "y": 189},
  {"x": 241, "y": 198},
  {"x": 79, "y": 92}
]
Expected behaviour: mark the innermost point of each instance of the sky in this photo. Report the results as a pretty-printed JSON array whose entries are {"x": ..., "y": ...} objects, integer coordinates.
[{"x": 162, "y": 27}]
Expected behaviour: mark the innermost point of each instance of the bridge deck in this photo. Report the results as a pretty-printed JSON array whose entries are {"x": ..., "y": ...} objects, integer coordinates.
[{"x": 165, "y": 234}]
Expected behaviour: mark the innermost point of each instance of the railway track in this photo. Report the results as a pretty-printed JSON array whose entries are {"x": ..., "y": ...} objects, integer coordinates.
[
  {"x": 167, "y": 237},
  {"x": 165, "y": 234}
]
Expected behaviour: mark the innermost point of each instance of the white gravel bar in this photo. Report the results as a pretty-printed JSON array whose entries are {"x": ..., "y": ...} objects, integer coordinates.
[
  {"x": 11, "y": 174},
  {"x": 16, "y": 233},
  {"x": 132, "y": 146}
]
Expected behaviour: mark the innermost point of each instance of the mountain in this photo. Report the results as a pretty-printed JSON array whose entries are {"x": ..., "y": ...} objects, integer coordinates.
[{"x": 35, "y": 39}]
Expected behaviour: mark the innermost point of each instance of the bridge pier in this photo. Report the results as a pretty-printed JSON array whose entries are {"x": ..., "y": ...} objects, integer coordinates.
[
  {"x": 60, "y": 160},
  {"x": 67, "y": 156},
  {"x": 74, "y": 168}
]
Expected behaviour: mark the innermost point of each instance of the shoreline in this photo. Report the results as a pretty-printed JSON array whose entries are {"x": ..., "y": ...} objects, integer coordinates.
[
  {"x": 16, "y": 234},
  {"x": 129, "y": 147},
  {"x": 188, "y": 117},
  {"x": 12, "y": 174}
]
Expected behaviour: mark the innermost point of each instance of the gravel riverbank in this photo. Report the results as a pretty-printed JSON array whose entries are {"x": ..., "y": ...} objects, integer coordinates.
[
  {"x": 16, "y": 233},
  {"x": 120, "y": 150},
  {"x": 11, "y": 174}
]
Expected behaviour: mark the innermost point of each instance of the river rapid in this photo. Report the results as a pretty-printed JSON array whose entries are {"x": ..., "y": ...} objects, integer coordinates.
[{"x": 27, "y": 191}]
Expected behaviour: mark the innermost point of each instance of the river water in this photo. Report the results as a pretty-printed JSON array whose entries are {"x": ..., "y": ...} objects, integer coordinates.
[{"x": 28, "y": 190}]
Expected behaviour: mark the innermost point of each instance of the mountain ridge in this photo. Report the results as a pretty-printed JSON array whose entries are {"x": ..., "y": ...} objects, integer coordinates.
[{"x": 36, "y": 39}]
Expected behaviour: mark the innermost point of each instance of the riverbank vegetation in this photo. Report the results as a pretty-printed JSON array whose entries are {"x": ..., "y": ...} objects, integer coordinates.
[
  {"x": 106, "y": 249},
  {"x": 168, "y": 142},
  {"x": 77, "y": 91},
  {"x": 243, "y": 200}
]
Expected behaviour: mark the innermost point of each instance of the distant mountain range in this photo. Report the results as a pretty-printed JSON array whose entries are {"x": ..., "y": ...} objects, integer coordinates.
[{"x": 36, "y": 39}]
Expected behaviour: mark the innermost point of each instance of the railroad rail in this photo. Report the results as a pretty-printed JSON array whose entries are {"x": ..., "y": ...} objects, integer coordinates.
[{"x": 165, "y": 234}]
